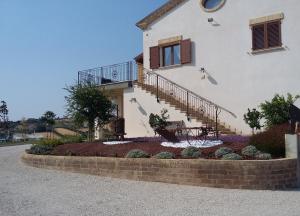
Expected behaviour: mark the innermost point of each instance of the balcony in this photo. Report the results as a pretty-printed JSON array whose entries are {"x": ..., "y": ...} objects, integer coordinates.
[{"x": 112, "y": 74}]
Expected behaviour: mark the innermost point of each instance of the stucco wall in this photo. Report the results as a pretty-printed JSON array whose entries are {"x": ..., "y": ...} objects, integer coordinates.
[
  {"x": 136, "y": 112},
  {"x": 237, "y": 79}
]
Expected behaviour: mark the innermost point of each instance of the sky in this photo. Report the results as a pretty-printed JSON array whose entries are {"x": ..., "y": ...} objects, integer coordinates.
[{"x": 43, "y": 43}]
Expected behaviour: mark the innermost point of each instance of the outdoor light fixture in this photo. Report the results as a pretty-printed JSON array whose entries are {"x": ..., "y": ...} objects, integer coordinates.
[
  {"x": 203, "y": 71},
  {"x": 210, "y": 20},
  {"x": 133, "y": 100}
]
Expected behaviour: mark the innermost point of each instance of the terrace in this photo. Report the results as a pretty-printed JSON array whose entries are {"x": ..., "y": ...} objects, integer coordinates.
[{"x": 112, "y": 74}]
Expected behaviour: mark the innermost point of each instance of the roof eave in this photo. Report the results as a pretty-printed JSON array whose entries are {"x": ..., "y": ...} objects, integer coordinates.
[{"x": 152, "y": 17}]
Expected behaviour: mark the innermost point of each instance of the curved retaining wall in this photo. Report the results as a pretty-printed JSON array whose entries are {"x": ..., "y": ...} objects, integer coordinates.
[{"x": 272, "y": 174}]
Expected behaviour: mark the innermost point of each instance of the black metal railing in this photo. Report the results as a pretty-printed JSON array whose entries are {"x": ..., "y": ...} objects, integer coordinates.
[
  {"x": 190, "y": 102},
  {"x": 122, "y": 72}
]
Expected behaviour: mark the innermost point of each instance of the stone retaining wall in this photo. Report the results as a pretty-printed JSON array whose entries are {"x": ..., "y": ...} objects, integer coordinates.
[{"x": 272, "y": 174}]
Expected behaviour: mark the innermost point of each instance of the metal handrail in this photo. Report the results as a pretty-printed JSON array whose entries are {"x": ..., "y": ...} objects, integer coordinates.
[{"x": 189, "y": 92}]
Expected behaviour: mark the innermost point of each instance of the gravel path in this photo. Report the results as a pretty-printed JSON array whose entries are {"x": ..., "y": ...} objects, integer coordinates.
[{"x": 31, "y": 191}]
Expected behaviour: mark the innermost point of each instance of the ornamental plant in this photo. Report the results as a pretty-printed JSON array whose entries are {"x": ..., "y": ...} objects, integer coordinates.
[
  {"x": 252, "y": 118},
  {"x": 164, "y": 155},
  {"x": 191, "y": 152},
  {"x": 276, "y": 111},
  {"x": 222, "y": 151},
  {"x": 232, "y": 156},
  {"x": 250, "y": 151},
  {"x": 159, "y": 121},
  {"x": 137, "y": 153}
]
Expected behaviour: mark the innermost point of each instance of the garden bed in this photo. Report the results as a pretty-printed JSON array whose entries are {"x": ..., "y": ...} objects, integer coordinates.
[{"x": 120, "y": 150}]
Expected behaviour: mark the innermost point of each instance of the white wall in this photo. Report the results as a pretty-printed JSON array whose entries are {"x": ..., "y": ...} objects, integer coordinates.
[
  {"x": 137, "y": 113},
  {"x": 238, "y": 79}
]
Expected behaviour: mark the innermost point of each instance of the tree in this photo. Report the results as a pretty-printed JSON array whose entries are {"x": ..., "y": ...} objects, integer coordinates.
[
  {"x": 24, "y": 127},
  {"x": 4, "y": 123},
  {"x": 276, "y": 111},
  {"x": 49, "y": 119},
  {"x": 252, "y": 118},
  {"x": 88, "y": 103}
]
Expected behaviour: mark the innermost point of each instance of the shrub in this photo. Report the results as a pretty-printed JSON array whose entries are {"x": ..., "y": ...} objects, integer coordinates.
[
  {"x": 276, "y": 111},
  {"x": 137, "y": 153},
  {"x": 250, "y": 151},
  {"x": 39, "y": 149},
  {"x": 51, "y": 142},
  {"x": 232, "y": 156},
  {"x": 263, "y": 156},
  {"x": 272, "y": 140},
  {"x": 191, "y": 152},
  {"x": 164, "y": 155},
  {"x": 159, "y": 122},
  {"x": 222, "y": 151},
  {"x": 72, "y": 139}
]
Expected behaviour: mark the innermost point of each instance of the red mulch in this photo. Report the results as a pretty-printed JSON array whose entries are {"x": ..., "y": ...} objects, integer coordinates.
[{"x": 120, "y": 150}]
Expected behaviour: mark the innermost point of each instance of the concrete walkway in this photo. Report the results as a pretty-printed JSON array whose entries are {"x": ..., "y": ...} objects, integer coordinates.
[{"x": 31, "y": 191}]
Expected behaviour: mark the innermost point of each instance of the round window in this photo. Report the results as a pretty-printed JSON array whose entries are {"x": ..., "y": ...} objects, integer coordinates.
[{"x": 212, "y": 5}]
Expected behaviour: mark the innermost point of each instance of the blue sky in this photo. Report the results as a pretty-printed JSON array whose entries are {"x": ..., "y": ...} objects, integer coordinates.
[{"x": 43, "y": 43}]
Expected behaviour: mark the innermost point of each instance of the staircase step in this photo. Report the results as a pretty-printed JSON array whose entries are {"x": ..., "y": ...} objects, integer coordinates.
[{"x": 181, "y": 107}]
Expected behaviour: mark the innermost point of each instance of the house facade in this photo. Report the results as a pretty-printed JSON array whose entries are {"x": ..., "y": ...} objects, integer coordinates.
[{"x": 212, "y": 59}]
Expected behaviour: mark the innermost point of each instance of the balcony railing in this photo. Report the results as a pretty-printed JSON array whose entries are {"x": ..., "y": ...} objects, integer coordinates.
[{"x": 122, "y": 72}]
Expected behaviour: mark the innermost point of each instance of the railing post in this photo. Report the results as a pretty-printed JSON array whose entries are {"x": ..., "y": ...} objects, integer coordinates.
[
  {"x": 187, "y": 105},
  {"x": 78, "y": 78},
  {"x": 217, "y": 132},
  {"x": 131, "y": 71},
  {"x": 157, "y": 98}
]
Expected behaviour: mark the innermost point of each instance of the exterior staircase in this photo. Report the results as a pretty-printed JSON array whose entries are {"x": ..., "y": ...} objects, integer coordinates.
[
  {"x": 185, "y": 101},
  {"x": 182, "y": 99}
]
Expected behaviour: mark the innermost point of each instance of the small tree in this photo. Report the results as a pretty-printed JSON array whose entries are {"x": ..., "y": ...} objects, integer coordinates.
[
  {"x": 49, "y": 119},
  {"x": 88, "y": 103},
  {"x": 4, "y": 123},
  {"x": 276, "y": 111},
  {"x": 252, "y": 118},
  {"x": 24, "y": 127}
]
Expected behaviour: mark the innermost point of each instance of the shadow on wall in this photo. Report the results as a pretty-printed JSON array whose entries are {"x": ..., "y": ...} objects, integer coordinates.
[
  {"x": 141, "y": 109},
  {"x": 211, "y": 79}
]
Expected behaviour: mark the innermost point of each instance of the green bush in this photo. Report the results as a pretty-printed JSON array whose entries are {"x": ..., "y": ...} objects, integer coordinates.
[
  {"x": 232, "y": 156},
  {"x": 263, "y": 156},
  {"x": 39, "y": 149},
  {"x": 159, "y": 122},
  {"x": 191, "y": 152},
  {"x": 52, "y": 142},
  {"x": 72, "y": 139},
  {"x": 222, "y": 151},
  {"x": 250, "y": 151},
  {"x": 164, "y": 155},
  {"x": 271, "y": 141},
  {"x": 276, "y": 111},
  {"x": 137, "y": 153}
]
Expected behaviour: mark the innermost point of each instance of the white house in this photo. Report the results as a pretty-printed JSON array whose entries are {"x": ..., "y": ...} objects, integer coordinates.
[{"x": 207, "y": 57}]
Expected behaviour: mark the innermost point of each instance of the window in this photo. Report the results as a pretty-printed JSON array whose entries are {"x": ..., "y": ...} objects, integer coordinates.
[
  {"x": 171, "y": 55},
  {"x": 167, "y": 54},
  {"x": 211, "y": 5},
  {"x": 266, "y": 35}
]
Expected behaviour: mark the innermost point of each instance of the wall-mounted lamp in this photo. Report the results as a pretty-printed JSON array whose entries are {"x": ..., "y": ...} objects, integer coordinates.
[
  {"x": 212, "y": 22},
  {"x": 132, "y": 100},
  {"x": 203, "y": 71}
]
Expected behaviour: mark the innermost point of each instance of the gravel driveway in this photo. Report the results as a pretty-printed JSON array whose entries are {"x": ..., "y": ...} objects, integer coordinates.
[{"x": 31, "y": 191}]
